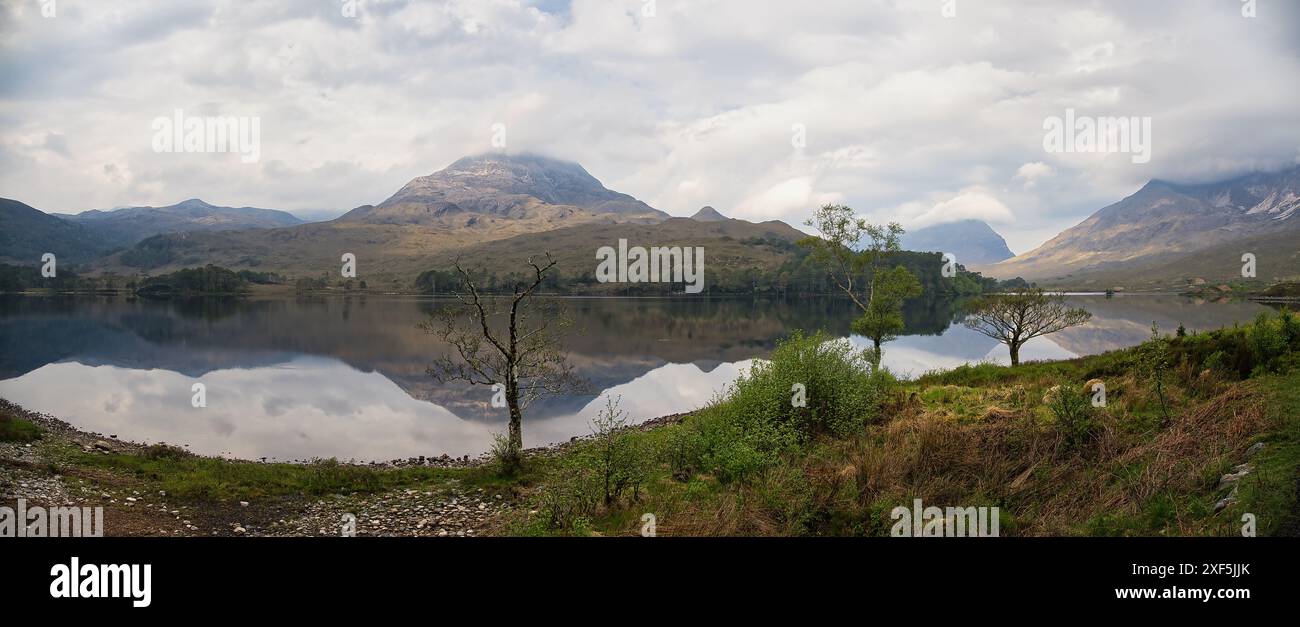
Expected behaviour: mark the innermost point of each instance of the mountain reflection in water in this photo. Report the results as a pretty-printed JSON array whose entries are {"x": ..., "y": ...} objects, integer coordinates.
[{"x": 296, "y": 378}]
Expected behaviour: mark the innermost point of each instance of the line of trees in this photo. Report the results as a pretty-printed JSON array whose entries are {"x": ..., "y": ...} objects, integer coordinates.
[{"x": 800, "y": 275}]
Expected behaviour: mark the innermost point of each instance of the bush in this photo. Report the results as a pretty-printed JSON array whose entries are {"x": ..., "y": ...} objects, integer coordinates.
[
  {"x": 683, "y": 451},
  {"x": 1268, "y": 341},
  {"x": 619, "y": 459},
  {"x": 1074, "y": 415},
  {"x": 506, "y": 455},
  {"x": 839, "y": 392},
  {"x": 765, "y": 414},
  {"x": 568, "y": 495},
  {"x": 1290, "y": 328}
]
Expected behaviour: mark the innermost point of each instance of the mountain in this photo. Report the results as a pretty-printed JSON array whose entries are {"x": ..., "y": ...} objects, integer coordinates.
[
  {"x": 971, "y": 241},
  {"x": 708, "y": 214},
  {"x": 26, "y": 233},
  {"x": 539, "y": 201},
  {"x": 128, "y": 225},
  {"x": 1164, "y": 222},
  {"x": 484, "y": 190}
]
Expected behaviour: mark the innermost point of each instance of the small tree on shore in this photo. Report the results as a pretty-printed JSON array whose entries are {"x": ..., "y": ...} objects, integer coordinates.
[
  {"x": 524, "y": 358},
  {"x": 1021, "y": 315},
  {"x": 881, "y": 297}
]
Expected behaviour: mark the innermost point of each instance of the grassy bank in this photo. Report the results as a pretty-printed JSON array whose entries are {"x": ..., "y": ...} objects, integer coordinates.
[{"x": 1027, "y": 440}]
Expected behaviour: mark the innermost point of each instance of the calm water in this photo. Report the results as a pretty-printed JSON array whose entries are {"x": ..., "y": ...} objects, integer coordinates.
[{"x": 299, "y": 378}]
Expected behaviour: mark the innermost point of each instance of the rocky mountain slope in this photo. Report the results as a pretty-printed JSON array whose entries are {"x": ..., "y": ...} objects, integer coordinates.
[
  {"x": 489, "y": 189},
  {"x": 1164, "y": 221}
]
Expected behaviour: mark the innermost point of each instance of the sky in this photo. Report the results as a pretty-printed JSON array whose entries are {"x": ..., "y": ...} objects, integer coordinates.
[{"x": 920, "y": 111}]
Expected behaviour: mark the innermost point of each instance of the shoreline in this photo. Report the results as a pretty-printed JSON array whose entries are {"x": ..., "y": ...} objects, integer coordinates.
[
  {"x": 453, "y": 497},
  {"x": 90, "y": 441}
]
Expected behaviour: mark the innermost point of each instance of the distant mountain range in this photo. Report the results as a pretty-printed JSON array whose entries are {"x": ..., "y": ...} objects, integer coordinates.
[
  {"x": 1169, "y": 234},
  {"x": 496, "y": 209},
  {"x": 128, "y": 225},
  {"x": 970, "y": 241},
  {"x": 492, "y": 210}
]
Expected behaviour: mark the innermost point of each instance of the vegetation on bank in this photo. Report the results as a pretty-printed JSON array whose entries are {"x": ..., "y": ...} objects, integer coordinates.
[
  {"x": 206, "y": 280},
  {"x": 1027, "y": 440},
  {"x": 800, "y": 274},
  {"x": 210, "y": 479},
  {"x": 23, "y": 278}
]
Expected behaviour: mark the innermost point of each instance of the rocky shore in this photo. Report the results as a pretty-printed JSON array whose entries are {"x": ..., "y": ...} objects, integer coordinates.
[{"x": 41, "y": 474}]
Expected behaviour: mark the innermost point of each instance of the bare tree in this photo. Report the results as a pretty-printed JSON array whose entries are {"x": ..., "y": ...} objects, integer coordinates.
[
  {"x": 1021, "y": 315},
  {"x": 525, "y": 357}
]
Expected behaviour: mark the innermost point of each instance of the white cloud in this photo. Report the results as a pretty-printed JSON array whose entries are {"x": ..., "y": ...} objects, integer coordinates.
[
  {"x": 970, "y": 204},
  {"x": 1031, "y": 172}
]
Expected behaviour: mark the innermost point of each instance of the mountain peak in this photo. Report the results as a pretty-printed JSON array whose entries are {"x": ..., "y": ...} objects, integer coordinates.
[
  {"x": 496, "y": 185},
  {"x": 193, "y": 203},
  {"x": 708, "y": 214},
  {"x": 1163, "y": 220},
  {"x": 971, "y": 241}
]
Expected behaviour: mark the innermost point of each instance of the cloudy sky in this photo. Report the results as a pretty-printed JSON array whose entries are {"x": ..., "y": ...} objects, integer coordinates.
[{"x": 905, "y": 113}]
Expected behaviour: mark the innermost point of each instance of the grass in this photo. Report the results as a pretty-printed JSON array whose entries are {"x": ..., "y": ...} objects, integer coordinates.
[
  {"x": 196, "y": 478},
  {"x": 18, "y": 430},
  {"x": 1270, "y": 491}
]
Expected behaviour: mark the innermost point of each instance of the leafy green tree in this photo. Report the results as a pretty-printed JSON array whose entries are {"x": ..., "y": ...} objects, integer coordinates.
[
  {"x": 883, "y": 319},
  {"x": 850, "y": 247}
]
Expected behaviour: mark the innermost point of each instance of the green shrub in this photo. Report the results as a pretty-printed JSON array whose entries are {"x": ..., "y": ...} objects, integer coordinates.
[
  {"x": 1290, "y": 328},
  {"x": 766, "y": 413},
  {"x": 1217, "y": 362},
  {"x": 838, "y": 391},
  {"x": 1268, "y": 341},
  {"x": 506, "y": 456},
  {"x": 683, "y": 451},
  {"x": 568, "y": 495},
  {"x": 1074, "y": 415},
  {"x": 620, "y": 460}
]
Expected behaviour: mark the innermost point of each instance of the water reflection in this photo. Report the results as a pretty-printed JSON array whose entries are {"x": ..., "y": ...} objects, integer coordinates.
[{"x": 299, "y": 378}]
